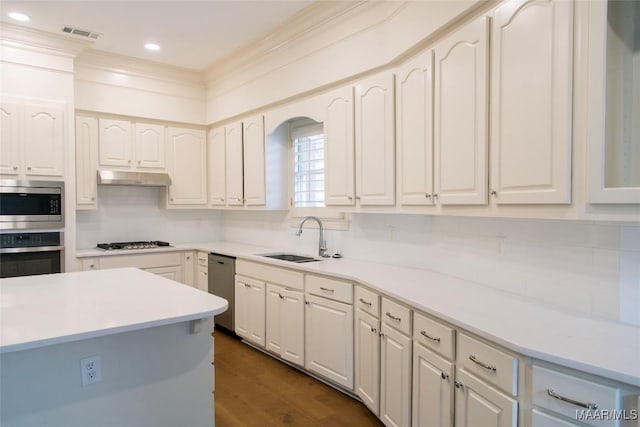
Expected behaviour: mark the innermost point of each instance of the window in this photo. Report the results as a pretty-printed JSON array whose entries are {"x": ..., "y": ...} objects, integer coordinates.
[{"x": 308, "y": 163}]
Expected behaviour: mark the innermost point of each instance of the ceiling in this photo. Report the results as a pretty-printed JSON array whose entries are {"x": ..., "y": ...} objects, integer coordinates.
[{"x": 191, "y": 34}]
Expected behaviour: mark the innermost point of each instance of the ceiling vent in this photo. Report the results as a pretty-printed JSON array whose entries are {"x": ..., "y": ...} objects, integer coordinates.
[{"x": 79, "y": 32}]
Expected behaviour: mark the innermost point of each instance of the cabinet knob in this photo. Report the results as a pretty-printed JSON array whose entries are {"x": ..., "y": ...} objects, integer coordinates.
[
  {"x": 357, "y": 197},
  {"x": 349, "y": 198},
  {"x": 139, "y": 161},
  {"x": 28, "y": 168},
  {"x": 188, "y": 257},
  {"x": 171, "y": 199},
  {"x": 238, "y": 199},
  {"x": 458, "y": 385},
  {"x": 444, "y": 376},
  {"x": 93, "y": 198},
  {"x": 428, "y": 196},
  {"x": 205, "y": 273},
  {"x": 494, "y": 193},
  {"x": 90, "y": 265},
  {"x": 15, "y": 168},
  {"x": 129, "y": 161}
]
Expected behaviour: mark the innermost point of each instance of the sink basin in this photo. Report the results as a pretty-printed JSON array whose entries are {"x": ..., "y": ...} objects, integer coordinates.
[{"x": 291, "y": 258}]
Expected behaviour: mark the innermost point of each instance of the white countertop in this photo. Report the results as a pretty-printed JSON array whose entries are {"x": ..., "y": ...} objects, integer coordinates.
[
  {"x": 598, "y": 346},
  {"x": 37, "y": 311}
]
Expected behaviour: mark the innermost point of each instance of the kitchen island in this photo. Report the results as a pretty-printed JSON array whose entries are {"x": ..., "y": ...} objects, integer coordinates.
[{"x": 151, "y": 336}]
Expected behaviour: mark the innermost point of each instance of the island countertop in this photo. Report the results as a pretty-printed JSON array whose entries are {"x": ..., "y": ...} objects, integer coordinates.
[{"x": 37, "y": 311}]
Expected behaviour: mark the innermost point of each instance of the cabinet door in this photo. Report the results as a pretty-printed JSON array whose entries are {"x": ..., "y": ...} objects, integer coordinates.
[
  {"x": 367, "y": 336},
  {"x": 395, "y": 378},
  {"x": 187, "y": 166},
  {"x": 339, "y": 148},
  {"x": 414, "y": 103},
  {"x": 116, "y": 143},
  {"x": 217, "y": 167},
  {"x": 233, "y": 144},
  {"x": 86, "y": 162},
  {"x": 150, "y": 146},
  {"x": 478, "y": 404},
  {"x": 329, "y": 354},
  {"x": 531, "y": 102},
  {"x": 274, "y": 316},
  {"x": 254, "y": 161},
  {"x": 44, "y": 140},
  {"x": 173, "y": 272},
  {"x": 250, "y": 310},
  {"x": 293, "y": 326},
  {"x": 203, "y": 279},
  {"x": 375, "y": 141},
  {"x": 433, "y": 379},
  {"x": 11, "y": 120},
  {"x": 461, "y": 115},
  {"x": 188, "y": 264}
]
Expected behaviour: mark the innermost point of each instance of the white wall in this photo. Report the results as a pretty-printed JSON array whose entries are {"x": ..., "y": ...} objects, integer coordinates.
[
  {"x": 134, "y": 213},
  {"x": 585, "y": 267},
  {"x": 154, "y": 377}
]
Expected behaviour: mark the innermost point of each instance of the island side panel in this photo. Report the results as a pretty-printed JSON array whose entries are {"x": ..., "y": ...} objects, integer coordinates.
[{"x": 160, "y": 376}]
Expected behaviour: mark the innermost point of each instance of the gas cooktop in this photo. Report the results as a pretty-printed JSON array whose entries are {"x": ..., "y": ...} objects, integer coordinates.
[{"x": 132, "y": 245}]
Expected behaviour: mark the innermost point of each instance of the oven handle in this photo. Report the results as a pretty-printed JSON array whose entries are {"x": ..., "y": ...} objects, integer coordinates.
[{"x": 31, "y": 249}]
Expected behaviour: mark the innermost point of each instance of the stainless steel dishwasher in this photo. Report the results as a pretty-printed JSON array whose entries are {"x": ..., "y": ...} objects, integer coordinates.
[{"x": 222, "y": 271}]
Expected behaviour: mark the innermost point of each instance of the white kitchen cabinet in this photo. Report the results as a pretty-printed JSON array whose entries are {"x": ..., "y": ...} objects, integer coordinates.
[
  {"x": 540, "y": 419},
  {"x": 234, "y": 164},
  {"x": 167, "y": 264},
  {"x": 461, "y": 115},
  {"x": 432, "y": 400},
  {"x": 188, "y": 269},
  {"x": 173, "y": 272},
  {"x": 86, "y": 162},
  {"x": 414, "y": 130},
  {"x": 187, "y": 166},
  {"x": 32, "y": 139},
  {"x": 478, "y": 404},
  {"x": 285, "y": 323},
  {"x": 216, "y": 152},
  {"x": 395, "y": 377},
  {"x": 375, "y": 140},
  {"x": 250, "y": 309},
  {"x": 329, "y": 339},
  {"x": 254, "y": 161},
  {"x": 202, "y": 279},
  {"x": 531, "y": 83},
  {"x": 367, "y": 359},
  {"x": 150, "y": 146},
  {"x": 116, "y": 143},
  {"x": 339, "y": 148}
]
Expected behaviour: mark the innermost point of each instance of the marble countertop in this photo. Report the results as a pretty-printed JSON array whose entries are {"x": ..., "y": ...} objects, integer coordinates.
[
  {"x": 533, "y": 329},
  {"x": 36, "y": 311}
]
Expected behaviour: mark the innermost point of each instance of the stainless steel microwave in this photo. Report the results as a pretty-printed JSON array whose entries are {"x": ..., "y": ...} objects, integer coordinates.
[{"x": 31, "y": 204}]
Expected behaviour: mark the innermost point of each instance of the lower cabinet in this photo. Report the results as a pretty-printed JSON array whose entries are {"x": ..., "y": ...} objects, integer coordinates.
[
  {"x": 479, "y": 404},
  {"x": 433, "y": 378},
  {"x": 250, "y": 309},
  {"x": 202, "y": 277},
  {"x": 173, "y": 272},
  {"x": 285, "y": 323},
  {"x": 367, "y": 369},
  {"x": 329, "y": 339},
  {"x": 395, "y": 377}
]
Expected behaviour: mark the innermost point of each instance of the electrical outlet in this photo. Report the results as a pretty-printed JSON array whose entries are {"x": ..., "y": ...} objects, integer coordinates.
[{"x": 91, "y": 370}]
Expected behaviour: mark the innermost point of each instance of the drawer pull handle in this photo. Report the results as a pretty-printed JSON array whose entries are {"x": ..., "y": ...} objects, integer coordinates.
[
  {"x": 444, "y": 376},
  {"x": 590, "y": 405},
  {"x": 280, "y": 295},
  {"x": 327, "y": 290},
  {"x": 365, "y": 302},
  {"x": 392, "y": 317},
  {"x": 458, "y": 385},
  {"x": 246, "y": 285},
  {"x": 424, "y": 334},
  {"x": 484, "y": 365}
]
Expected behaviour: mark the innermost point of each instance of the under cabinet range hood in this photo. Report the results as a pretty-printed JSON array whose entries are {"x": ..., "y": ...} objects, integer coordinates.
[{"x": 149, "y": 179}]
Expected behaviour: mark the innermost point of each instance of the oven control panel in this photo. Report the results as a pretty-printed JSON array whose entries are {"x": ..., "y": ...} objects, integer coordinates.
[{"x": 28, "y": 240}]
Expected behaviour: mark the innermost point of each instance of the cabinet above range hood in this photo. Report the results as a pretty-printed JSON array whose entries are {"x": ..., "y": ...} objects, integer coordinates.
[{"x": 148, "y": 179}]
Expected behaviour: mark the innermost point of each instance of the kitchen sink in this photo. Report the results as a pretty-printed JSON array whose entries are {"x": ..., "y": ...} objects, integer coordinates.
[{"x": 291, "y": 258}]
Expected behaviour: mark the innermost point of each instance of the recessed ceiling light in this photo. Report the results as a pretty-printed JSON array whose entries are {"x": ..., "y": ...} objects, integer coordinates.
[
  {"x": 19, "y": 17},
  {"x": 151, "y": 46}
]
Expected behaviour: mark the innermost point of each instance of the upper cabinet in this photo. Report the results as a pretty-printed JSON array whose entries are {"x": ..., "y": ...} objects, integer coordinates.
[
  {"x": 127, "y": 145},
  {"x": 614, "y": 102},
  {"x": 234, "y": 164},
  {"x": 375, "y": 141},
  {"x": 31, "y": 139},
  {"x": 461, "y": 115},
  {"x": 254, "y": 161},
  {"x": 414, "y": 130},
  {"x": 86, "y": 162},
  {"x": 187, "y": 158},
  {"x": 216, "y": 165},
  {"x": 531, "y": 81}
]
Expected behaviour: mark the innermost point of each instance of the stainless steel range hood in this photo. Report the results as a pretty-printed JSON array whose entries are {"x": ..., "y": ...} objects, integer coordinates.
[{"x": 150, "y": 179}]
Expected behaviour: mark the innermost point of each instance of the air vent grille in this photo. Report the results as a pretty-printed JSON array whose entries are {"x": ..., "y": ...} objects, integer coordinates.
[{"x": 80, "y": 32}]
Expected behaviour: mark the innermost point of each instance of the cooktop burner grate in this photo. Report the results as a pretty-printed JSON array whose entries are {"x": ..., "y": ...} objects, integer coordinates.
[{"x": 132, "y": 245}]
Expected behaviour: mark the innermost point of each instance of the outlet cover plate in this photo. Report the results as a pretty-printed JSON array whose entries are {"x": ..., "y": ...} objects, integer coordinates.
[{"x": 91, "y": 370}]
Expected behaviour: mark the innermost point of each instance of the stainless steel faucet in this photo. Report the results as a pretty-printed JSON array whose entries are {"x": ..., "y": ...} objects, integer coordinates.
[{"x": 322, "y": 244}]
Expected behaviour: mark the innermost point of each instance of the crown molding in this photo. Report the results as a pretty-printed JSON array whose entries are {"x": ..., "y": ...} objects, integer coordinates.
[
  {"x": 316, "y": 18},
  {"x": 29, "y": 38}
]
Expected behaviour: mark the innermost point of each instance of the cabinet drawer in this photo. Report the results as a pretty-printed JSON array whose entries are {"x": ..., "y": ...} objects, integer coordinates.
[
  {"x": 142, "y": 260},
  {"x": 203, "y": 259},
  {"x": 330, "y": 288},
  {"x": 434, "y": 335},
  {"x": 368, "y": 301},
  {"x": 488, "y": 363},
  {"x": 573, "y": 395},
  {"x": 396, "y": 316},
  {"x": 271, "y": 274}
]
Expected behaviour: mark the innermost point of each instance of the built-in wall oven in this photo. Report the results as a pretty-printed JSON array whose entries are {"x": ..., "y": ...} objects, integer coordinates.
[
  {"x": 31, "y": 204},
  {"x": 27, "y": 254}
]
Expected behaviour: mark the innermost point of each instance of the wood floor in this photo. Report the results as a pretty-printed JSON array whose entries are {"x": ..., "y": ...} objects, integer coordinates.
[{"x": 253, "y": 389}]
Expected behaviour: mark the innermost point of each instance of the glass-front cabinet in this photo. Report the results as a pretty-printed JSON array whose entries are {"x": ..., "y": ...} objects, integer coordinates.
[{"x": 614, "y": 102}]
